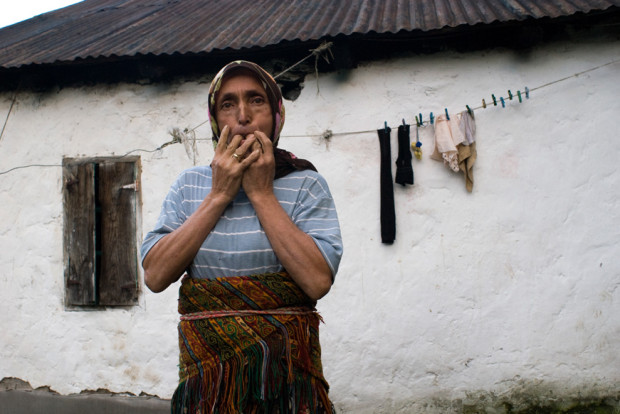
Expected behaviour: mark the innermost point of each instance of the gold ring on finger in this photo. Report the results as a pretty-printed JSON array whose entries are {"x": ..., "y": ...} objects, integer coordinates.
[{"x": 236, "y": 156}]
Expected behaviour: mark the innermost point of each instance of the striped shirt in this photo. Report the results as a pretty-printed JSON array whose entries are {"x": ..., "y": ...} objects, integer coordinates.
[{"x": 237, "y": 245}]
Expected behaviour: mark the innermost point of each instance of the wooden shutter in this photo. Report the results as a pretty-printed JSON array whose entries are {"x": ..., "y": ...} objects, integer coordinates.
[
  {"x": 79, "y": 234},
  {"x": 100, "y": 199},
  {"x": 118, "y": 279}
]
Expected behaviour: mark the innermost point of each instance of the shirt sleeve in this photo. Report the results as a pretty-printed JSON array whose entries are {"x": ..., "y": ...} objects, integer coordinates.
[
  {"x": 170, "y": 218},
  {"x": 315, "y": 214}
]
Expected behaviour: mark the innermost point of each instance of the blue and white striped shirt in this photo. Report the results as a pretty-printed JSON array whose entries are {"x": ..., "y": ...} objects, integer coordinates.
[{"x": 238, "y": 245}]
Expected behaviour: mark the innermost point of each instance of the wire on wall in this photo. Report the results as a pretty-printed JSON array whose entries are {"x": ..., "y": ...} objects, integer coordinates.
[
  {"x": 9, "y": 113},
  {"x": 322, "y": 50},
  {"x": 110, "y": 158}
]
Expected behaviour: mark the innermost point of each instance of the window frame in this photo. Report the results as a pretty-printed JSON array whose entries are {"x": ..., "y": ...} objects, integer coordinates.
[{"x": 101, "y": 199}]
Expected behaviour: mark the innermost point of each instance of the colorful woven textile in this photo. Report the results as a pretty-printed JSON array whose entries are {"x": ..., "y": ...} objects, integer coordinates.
[{"x": 249, "y": 344}]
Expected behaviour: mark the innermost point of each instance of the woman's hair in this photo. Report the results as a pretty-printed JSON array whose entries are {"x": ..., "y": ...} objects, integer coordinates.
[{"x": 285, "y": 161}]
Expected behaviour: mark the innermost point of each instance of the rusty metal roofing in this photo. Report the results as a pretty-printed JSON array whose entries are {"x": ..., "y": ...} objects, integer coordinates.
[{"x": 121, "y": 28}]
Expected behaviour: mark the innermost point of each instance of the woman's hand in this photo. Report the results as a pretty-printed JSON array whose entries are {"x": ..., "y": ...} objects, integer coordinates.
[
  {"x": 229, "y": 163},
  {"x": 258, "y": 178}
]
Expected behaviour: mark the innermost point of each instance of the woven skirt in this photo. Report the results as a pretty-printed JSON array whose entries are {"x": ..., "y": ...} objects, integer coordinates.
[{"x": 249, "y": 344}]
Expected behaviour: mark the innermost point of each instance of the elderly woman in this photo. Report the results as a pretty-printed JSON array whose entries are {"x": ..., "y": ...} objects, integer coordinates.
[{"x": 257, "y": 235}]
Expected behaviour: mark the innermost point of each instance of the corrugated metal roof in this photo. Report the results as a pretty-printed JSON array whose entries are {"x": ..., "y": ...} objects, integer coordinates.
[{"x": 108, "y": 28}]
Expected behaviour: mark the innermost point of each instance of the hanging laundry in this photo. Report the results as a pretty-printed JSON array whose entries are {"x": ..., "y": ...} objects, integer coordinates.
[
  {"x": 467, "y": 149},
  {"x": 468, "y": 126},
  {"x": 467, "y": 158},
  {"x": 445, "y": 144},
  {"x": 404, "y": 170},
  {"x": 455, "y": 144},
  {"x": 388, "y": 213}
]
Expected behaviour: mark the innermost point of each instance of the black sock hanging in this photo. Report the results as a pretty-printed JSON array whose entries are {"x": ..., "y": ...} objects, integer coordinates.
[
  {"x": 388, "y": 214},
  {"x": 404, "y": 170}
]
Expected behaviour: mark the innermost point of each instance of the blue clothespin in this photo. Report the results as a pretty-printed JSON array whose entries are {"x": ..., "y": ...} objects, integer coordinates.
[
  {"x": 494, "y": 100},
  {"x": 501, "y": 98},
  {"x": 385, "y": 125},
  {"x": 421, "y": 122},
  {"x": 519, "y": 95},
  {"x": 509, "y": 95},
  {"x": 527, "y": 93},
  {"x": 447, "y": 116},
  {"x": 469, "y": 111},
  {"x": 432, "y": 119}
]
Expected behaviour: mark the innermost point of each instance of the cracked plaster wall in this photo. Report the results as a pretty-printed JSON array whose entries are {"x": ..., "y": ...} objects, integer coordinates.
[{"x": 510, "y": 292}]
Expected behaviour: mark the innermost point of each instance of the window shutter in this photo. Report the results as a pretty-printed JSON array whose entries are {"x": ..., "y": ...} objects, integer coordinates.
[
  {"x": 118, "y": 279},
  {"x": 79, "y": 234}
]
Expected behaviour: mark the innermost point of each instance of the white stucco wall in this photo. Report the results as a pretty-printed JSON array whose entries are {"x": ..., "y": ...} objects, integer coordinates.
[{"x": 510, "y": 289}]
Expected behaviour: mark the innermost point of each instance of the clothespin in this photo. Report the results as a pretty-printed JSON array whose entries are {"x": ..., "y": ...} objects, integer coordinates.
[
  {"x": 404, "y": 124},
  {"x": 469, "y": 111},
  {"x": 509, "y": 95},
  {"x": 494, "y": 100},
  {"x": 519, "y": 95},
  {"x": 417, "y": 146},
  {"x": 484, "y": 104},
  {"x": 501, "y": 98},
  {"x": 447, "y": 116},
  {"x": 527, "y": 93},
  {"x": 385, "y": 125},
  {"x": 421, "y": 122},
  {"x": 432, "y": 119},
  {"x": 417, "y": 121}
]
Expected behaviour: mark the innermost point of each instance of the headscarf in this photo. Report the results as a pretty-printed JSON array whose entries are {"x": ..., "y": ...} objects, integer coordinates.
[{"x": 285, "y": 161}]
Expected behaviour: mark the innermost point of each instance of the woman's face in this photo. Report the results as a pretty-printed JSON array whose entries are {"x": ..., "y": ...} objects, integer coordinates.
[{"x": 242, "y": 104}]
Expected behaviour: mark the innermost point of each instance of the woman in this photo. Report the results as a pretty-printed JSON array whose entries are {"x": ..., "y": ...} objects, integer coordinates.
[{"x": 257, "y": 234}]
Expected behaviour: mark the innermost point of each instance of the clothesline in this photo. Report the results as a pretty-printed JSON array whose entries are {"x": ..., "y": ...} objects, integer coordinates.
[
  {"x": 494, "y": 101},
  {"x": 327, "y": 134}
]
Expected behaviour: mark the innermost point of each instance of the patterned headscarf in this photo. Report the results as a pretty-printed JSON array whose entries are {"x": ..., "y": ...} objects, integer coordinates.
[
  {"x": 285, "y": 161},
  {"x": 271, "y": 87}
]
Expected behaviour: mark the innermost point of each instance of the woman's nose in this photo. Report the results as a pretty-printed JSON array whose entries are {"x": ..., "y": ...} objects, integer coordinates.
[{"x": 243, "y": 114}]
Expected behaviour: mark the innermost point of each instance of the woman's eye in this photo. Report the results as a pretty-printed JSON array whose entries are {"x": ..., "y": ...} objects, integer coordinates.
[
  {"x": 258, "y": 100},
  {"x": 226, "y": 105}
]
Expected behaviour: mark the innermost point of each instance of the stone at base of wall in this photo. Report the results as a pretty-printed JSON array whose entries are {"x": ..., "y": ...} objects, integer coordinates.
[
  {"x": 488, "y": 403},
  {"x": 43, "y": 402},
  {"x": 17, "y": 397}
]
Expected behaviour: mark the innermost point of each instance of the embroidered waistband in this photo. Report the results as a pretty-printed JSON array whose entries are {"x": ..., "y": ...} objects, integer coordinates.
[{"x": 244, "y": 312}]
